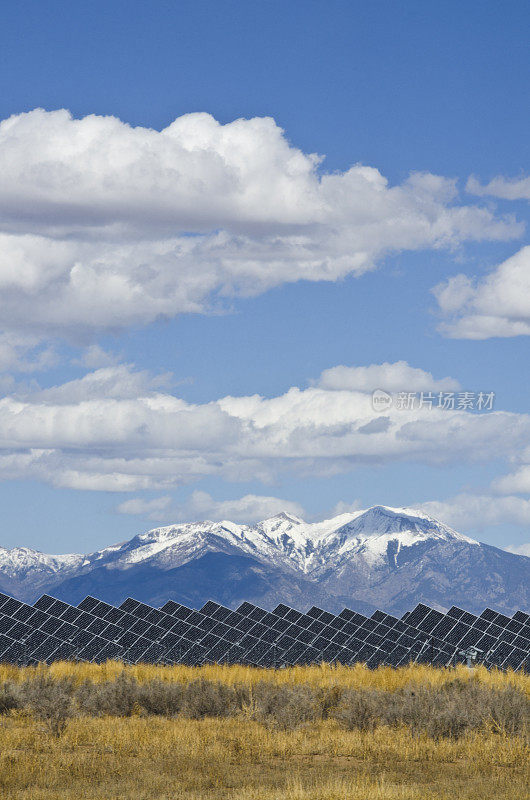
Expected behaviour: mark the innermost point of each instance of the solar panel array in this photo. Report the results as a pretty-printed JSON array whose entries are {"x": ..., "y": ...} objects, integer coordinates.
[{"x": 135, "y": 632}]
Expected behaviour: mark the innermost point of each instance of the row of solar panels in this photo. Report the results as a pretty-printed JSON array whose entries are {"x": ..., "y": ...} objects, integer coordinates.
[{"x": 95, "y": 631}]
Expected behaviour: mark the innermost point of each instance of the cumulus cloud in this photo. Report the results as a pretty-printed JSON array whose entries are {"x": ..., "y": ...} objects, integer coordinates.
[
  {"x": 200, "y": 506},
  {"x": 116, "y": 429},
  {"x": 23, "y": 353},
  {"x": 467, "y": 511},
  {"x": 250, "y": 508},
  {"x": 497, "y": 305},
  {"x": 396, "y": 377},
  {"x": 504, "y": 188},
  {"x": 346, "y": 508},
  {"x": 517, "y": 482},
  {"x": 519, "y": 549},
  {"x": 94, "y": 356},
  {"x": 103, "y": 225},
  {"x": 153, "y": 509},
  {"x": 117, "y": 382}
]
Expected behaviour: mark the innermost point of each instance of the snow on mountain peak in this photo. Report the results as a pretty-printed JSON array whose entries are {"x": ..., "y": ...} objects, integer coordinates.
[
  {"x": 378, "y": 533},
  {"x": 22, "y": 560},
  {"x": 287, "y": 540},
  {"x": 372, "y": 535}
]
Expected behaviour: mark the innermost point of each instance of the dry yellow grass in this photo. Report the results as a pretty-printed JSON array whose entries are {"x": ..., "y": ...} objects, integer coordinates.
[
  {"x": 155, "y": 758},
  {"x": 324, "y": 675},
  {"x": 147, "y": 758}
]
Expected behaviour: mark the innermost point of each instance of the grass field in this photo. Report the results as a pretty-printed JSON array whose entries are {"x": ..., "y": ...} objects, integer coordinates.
[{"x": 259, "y": 752}]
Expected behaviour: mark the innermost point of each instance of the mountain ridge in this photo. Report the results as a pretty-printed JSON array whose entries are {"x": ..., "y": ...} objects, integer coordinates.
[{"x": 380, "y": 556}]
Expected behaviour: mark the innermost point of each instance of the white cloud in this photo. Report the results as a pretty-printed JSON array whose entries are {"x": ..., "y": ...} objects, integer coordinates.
[
  {"x": 153, "y": 509},
  {"x": 519, "y": 549},
  {"x": 103, "y": 225},
  {"x": 117, "y": 382},
  {"x": 119, "y": 430},
  {"x": 345, "y": 508},
  {"x": 95, "y": 357},
  {"x": 23, "y": 353},
  {"x": 200, "y": 506},
  {"x": 468, "y": 511},
  {"x": 497, "y": 305},
  {"x": 250, "y": 508},
  {"x": 517, "y": 482},
  {"x": 396, "y": 377},
  {"x": 504, "y": 188}
]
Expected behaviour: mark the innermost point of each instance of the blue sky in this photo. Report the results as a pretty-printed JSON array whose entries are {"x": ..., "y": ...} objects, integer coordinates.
[{"x": 232, "y": 265}]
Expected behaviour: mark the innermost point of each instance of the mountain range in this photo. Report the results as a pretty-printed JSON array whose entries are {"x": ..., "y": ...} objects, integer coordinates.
[{"x": 389, "y": 558}]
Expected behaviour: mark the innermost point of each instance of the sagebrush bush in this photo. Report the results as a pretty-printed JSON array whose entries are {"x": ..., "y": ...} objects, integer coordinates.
[
  {"x": 285, "y": 707},
  {"x": 51, "y": 701},
  {"x": 509, "y": 711},
  {"x": 202, "y": 698},
  {"x": 10, "y": 697},
  {"x": 117, "y": 698},
  {"x": 440, "y": 712},
  {"x": 444, "y": 710},
  {"x": 161, "y": 698},
  {"x": 360, "y": 709}
]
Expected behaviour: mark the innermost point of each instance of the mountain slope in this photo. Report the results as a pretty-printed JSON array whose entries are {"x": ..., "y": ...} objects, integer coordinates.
[{"x": 381, "y": 557}]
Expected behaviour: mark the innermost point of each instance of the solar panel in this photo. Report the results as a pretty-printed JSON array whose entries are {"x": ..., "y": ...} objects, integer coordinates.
[
  {"x": 57, "y": 608},
  {"x": 293, "y": 615},
  {"x": 244, "y": 624},
  {"x": 24, "y": 613},
  {"x": 44, "y": 602},
  {"x": 170, "y": 607},
  {"x": 502, "y": 620},
  {"x": 10, "y": 606},
  {"x": 245, "y": 608},
  {"x": 6, "y": 623},
  {"x": 88, "y": 603},
  {"x": 218, "y": 652},
  {"x": 19, "y": 631},
  {"x": 281, "y": 610},
  {"x": 418, "y": 614},
  {"x": 430, "y": 621},
  {"x": 281, "y": 625},
  {"x": 135, "y": 631},
  {"x": 194, "y": 656},
  {"x": 315, "y": 612},
  {"x": 15, "y": 653},
  {"x": 261, "y": 654},
  {"x": 128, "y": 605}
]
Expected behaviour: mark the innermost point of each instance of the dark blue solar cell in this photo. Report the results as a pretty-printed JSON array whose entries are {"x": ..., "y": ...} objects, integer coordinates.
[
  {"x": 281, "y": 610},
  {"x": 10, "y": 606},
  {"x": 245, "y": 608},
  {"x": 129, "y": 605},
  {"x": 209, "y": 608},
  {"x": 88, "y": 603}
]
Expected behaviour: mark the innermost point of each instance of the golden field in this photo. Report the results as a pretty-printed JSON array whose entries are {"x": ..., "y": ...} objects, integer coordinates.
[
  {"x": 145, "y": 756},
  {"x": 356, "y": 677}
]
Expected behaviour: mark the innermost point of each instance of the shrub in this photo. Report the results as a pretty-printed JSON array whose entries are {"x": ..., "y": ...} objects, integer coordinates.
[
  {"x": 328, "y": 699},
  {"x": 10, "y": 697},
  {"x": 201, "y": 698},
  {"x": 509, "y": 711},
  {"x": 285, "y": 707},
  {"x": 161, "y": 698},
  {"x": 51, "y": 701},
  {"x": 118, "y": 698},
  {"x": 359, "y": 709}
]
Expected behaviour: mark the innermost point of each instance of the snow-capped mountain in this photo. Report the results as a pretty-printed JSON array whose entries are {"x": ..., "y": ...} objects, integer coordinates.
[{"x": 386, "y": 557}]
